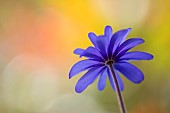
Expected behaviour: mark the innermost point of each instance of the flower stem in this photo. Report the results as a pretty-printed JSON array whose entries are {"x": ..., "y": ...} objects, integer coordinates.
[{"x": 119, "y": 96}]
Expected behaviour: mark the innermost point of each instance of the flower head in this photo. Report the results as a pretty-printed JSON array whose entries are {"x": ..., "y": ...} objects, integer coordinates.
[{"x": 110, "y": 48}]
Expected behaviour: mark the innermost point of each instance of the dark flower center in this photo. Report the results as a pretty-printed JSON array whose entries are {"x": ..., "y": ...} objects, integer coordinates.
[{"x": 109, "y": 62}]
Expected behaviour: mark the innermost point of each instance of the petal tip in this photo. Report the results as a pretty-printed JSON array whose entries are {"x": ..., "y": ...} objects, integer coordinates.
[
  {"x": 122, "y": 90},
  {"x": 108, "y": 27},
  {"x": 152, "y": 57},
  {"x": 72, "y": 73},
  {"x": 75, "y": 51},
  {"x": 91, "y": 34},
  {"x": 70, "y": 76},
  {"x": 78, "y": 91},
  {"x": 108, "y": 30},
  {"x": 139, "y": 81},
  {"x": 141, "y": 40},
  {"x": 129, "y": 29},
  {"x": 78, "y": 51},
  {"x": 100, "y": 89}
]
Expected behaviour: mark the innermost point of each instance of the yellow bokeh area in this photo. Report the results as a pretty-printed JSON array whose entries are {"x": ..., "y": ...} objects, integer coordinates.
[{"x": 37, "y": 40}]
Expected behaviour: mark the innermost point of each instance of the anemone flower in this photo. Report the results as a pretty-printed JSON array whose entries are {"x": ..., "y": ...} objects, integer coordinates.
[{"x": 108, "y": 58}]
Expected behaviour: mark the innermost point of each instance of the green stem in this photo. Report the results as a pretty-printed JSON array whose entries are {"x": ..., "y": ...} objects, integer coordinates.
[{"x": 119, "y": 95}]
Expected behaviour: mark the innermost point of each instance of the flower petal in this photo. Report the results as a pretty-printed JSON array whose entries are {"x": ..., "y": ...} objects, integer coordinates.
[
  {"x": 78, "y": 51},
  {"x": 120, "y": 82},
  {"x": 128, "y": 44},
  {"x": 136, "y": 55},
  {"x": 102, "y": 44},
  {"x": 87, "y": 79},
  {"x": 130, "y": 71},
  {"x": 102, "y": 80},
  {"x": 93, "y": 38},
  {"x": 83, "y": 65},
  {"x": 117, "y": 39},
  {"x": 108, "y": 31},
  {"x": 92, "y": 52}
]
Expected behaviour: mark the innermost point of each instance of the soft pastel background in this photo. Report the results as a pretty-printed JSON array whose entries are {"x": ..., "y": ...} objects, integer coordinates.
[{"x": 37, "y": 39}]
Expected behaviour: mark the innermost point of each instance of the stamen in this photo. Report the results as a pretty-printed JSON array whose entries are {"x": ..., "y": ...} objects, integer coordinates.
[{"x": 109, "y": 62}]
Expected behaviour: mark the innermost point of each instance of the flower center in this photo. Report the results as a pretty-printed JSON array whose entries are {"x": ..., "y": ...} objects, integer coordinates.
[{"x": 109, "y": 62}]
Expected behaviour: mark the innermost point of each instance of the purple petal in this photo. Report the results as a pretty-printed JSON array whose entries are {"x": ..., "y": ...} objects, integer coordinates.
[
  {"x": 102, "y": 44},
  {"x": 117, "y": 39},
  {"x": 92, "y": 52},
  {"x": 93, "y": 38},
  {"x": 120, "y": 82},
  {"x": 78, "y": 51},
  {"x": 87, "y": 79},
  {"x": 124, "y": 38},
  {"x": 128, "y": 44},
  {"x": 108, "y": 31},
  {"x": 136, "y": 55},
  {"x": 83, "y": 65},
  {"x": 102, "y": 80},
  {"x": 130, "y": 71}
]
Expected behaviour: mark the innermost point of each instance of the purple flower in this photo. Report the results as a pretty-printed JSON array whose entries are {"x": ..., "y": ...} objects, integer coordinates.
[{"x": 109, "y": 48}]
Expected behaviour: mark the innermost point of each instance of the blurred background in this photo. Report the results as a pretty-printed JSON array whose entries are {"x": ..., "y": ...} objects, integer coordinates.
[{"x": 37, "y": 40}]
